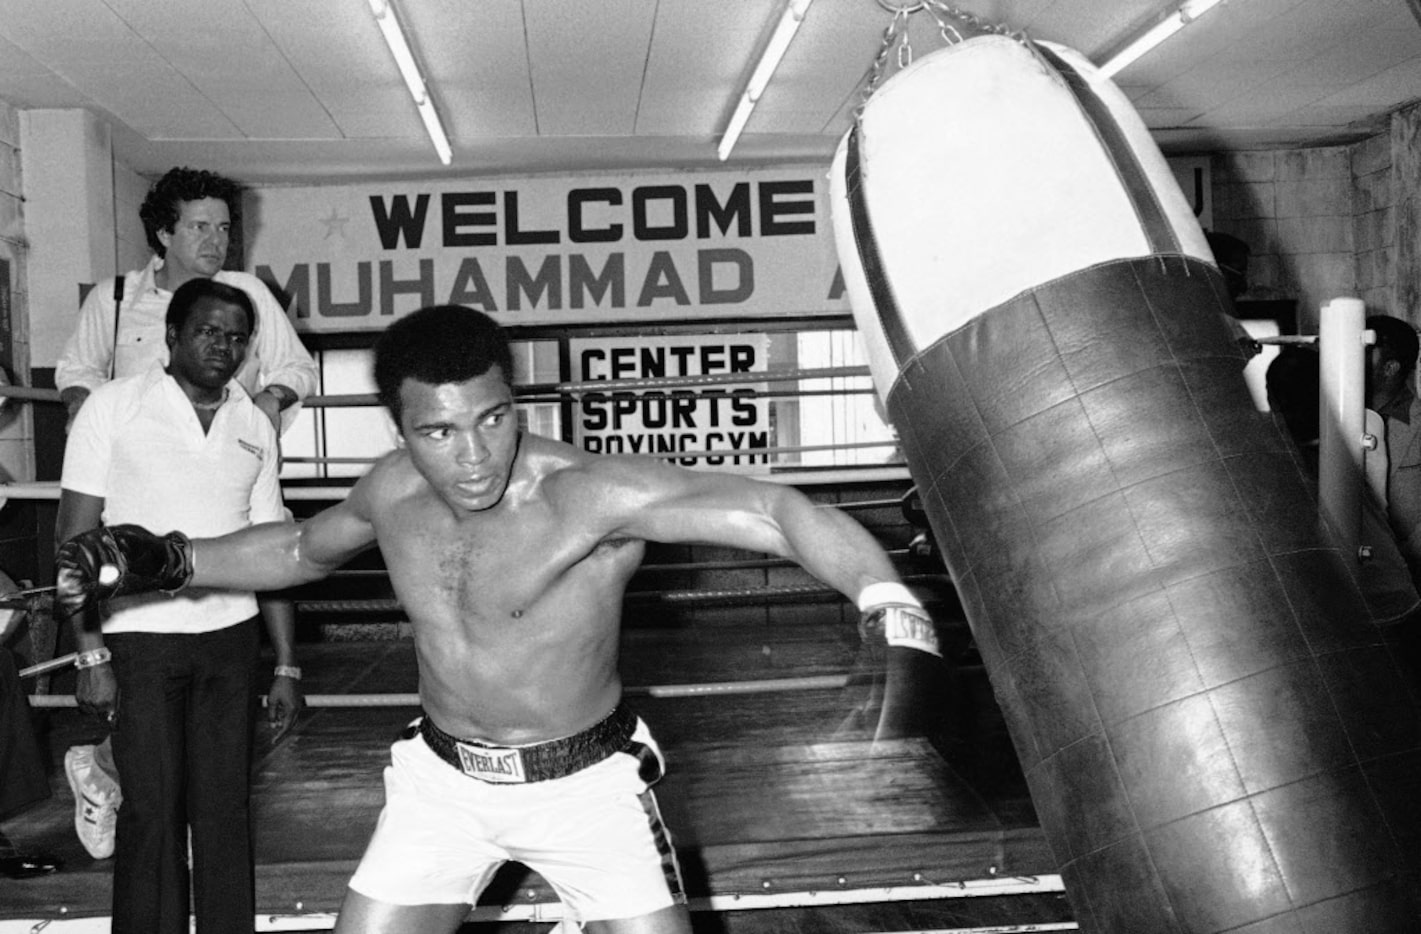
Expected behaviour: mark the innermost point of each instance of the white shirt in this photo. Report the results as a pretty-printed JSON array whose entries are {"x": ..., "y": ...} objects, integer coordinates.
[
  {"x": 275, "y": 355},
  {"x": 138, "y": 445}
]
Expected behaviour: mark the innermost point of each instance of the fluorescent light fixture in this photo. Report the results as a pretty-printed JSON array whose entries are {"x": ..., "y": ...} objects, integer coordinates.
[
  {"x": 389, "y": 23},
  {"x": 1175, "y": 20},
  {"x": 784, "y": 32}
]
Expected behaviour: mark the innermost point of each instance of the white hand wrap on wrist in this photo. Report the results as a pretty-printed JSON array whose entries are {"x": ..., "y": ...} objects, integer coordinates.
[
  {"x": 93, "y": 658},
  {"x": 891, "y": 609},
  {"x": 884, "y": 593}
]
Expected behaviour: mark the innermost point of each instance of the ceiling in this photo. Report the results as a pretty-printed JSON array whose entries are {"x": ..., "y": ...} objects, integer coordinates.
[{"x": 305, "y": 90}]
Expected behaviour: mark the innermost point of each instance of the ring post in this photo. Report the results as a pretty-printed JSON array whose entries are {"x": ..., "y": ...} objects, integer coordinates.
[{"x": 1342, "y": 344}]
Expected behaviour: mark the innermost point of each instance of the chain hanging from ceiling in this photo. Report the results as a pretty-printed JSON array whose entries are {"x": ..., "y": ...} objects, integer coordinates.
[{"x": 954, "y": 25}]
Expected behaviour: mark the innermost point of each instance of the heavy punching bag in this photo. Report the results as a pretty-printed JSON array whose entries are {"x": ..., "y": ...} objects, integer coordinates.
[{"x": 1214, "y": 736}]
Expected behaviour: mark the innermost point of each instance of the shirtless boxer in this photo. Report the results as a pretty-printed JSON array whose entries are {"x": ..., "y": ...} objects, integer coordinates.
[{"x": 510, "y": 553}]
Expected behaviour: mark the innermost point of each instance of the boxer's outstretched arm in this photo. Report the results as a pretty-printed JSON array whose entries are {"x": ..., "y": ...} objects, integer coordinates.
[
  {"x": 664, "y": 503},
  {"x": 276, "y": 555},
  {"x": 105, "y": 562},
  {"x": 668, "y": 504}
]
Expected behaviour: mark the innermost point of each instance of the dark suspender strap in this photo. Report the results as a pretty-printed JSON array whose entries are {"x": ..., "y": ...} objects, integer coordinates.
[{"x": 117, "y": 304}]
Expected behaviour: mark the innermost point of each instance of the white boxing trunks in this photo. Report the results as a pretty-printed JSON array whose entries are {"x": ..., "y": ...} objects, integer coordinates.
[{"x": 595, "y": 835}]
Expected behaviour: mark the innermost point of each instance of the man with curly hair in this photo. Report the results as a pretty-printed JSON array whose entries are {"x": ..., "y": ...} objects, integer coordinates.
[{"x": 187, "y": 217}]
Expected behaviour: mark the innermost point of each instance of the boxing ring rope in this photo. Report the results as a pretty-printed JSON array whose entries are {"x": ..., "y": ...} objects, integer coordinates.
[
  {"x": 681, "y": 597},
  {"x": 708, "y": 689},
  {"x": 542, "y": 394},
  {"x": 556, "y": 391},
  {"x": 662, "y": 455},
  {"x": 736, "y": 565},
  {"x": 741, "y": 564},
  {"x": 49, "y": 489},
  {"x": 676, "y": 597}
]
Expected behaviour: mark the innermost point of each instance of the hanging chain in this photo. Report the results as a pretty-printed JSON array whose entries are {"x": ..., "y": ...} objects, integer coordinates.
[
  {"x": 896, "y": 33},
  {"x": 897, "y": 24},
  {"x": 937, "y": 9}
]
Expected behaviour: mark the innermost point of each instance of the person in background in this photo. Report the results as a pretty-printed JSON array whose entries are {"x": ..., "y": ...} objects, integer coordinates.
[
  {"x": 187, "y": 218},
  {"x": 1390, "y": 373},
  {"x": 1391, "y": 392},
  {"x": 1231, "y": 256},
  {"x": 180, "y": 445},
  {"x": 23, "y": 778},
  {"x": 1293, "y": 382}
]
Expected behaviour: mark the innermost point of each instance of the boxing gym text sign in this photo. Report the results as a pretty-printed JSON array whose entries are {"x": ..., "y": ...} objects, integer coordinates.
[
  {"x": 726, "y": 418},
  {"x": 551, "y": 250}
]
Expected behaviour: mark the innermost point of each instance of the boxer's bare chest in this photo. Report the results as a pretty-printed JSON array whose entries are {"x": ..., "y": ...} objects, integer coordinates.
[{"x": 498, "y": 564}]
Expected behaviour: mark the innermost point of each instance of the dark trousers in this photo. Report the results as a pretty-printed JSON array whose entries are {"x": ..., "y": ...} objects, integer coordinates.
[
  {"x": 183, "y": 750},
  {"x": 23, "y": 780}
]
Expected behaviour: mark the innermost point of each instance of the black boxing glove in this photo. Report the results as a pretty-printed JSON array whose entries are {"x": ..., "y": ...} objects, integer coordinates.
[{"x": 111, "y": 561}]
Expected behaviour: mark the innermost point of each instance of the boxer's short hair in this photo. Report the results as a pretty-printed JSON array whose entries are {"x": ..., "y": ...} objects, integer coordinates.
[{"x": 437, "y": 345}]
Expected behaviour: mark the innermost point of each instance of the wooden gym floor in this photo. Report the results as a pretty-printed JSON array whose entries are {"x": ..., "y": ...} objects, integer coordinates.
[{"x": 767, "y": 794}]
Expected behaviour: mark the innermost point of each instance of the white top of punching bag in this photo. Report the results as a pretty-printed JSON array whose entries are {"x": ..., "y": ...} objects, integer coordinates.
[{"x": 982, "y": 177}]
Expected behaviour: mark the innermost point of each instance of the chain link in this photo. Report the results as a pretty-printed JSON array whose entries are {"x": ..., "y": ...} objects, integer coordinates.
[
  {"x": 938, "y": 9},
  {"x": 905, "y": 51},
  {"x": 880, "y": 61},
  {"x": 896, "y": 33}
]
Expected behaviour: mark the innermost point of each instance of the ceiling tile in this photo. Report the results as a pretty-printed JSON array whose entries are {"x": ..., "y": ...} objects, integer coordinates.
[{"x": 296, "y": 88}]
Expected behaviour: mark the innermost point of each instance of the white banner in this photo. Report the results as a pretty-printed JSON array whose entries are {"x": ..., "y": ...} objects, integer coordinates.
[
  {"x": 550, "y": 250},
  {"x": 725, "y": 417}
]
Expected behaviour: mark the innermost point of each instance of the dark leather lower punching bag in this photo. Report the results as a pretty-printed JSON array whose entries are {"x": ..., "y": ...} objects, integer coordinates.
[{"x": 1215, "y": 737}]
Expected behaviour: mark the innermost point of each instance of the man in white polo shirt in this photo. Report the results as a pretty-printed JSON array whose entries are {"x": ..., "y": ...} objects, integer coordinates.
[{"x": 180, "y": 447}]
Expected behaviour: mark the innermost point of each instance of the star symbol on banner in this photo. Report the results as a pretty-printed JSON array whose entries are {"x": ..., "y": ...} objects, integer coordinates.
[{"x": 335, "y": 224}]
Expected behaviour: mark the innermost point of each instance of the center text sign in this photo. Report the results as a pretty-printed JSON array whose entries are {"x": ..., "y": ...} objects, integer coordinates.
[{"x": 730, "y": 419}]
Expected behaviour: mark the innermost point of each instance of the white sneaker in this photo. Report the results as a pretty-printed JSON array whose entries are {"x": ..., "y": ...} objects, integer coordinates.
[{"x": 96, "y": 801}]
